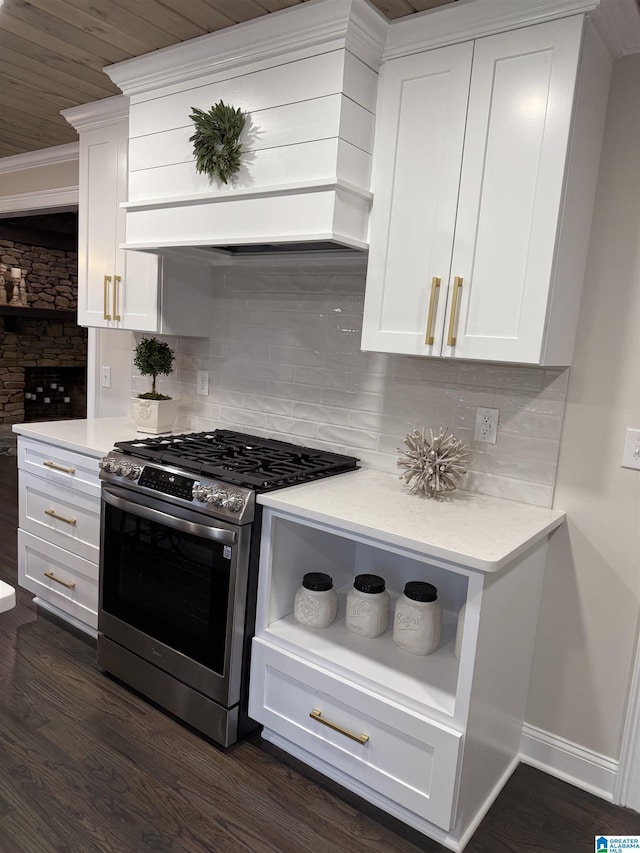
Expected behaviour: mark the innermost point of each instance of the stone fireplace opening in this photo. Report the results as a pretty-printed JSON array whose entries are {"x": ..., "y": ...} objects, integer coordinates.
[
  {"x": 54, "y": 393},
  {"x": 41, "y": 345}
]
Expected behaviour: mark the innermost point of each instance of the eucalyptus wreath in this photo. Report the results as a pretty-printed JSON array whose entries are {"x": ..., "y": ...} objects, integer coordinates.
[{"x": 216, "y": 140}]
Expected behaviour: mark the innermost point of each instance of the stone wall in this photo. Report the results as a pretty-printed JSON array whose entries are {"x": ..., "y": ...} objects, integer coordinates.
[
  {"x": 37, "y": 343},
  {"x": 29, "y": 341},
  {"x": 51, "y": 275}
]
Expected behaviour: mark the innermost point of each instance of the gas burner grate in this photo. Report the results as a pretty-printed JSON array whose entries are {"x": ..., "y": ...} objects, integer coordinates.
[{"x": 243, "y": 460}]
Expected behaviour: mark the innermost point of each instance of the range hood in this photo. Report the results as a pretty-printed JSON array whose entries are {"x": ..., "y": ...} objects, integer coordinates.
[{"x": 306, "y": 78}]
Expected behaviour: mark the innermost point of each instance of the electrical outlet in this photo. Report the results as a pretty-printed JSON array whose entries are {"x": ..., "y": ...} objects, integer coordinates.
[
  {"x": 631, "y": 452},
  {"x": 486, "y": 428},
  {"x": 105, "y": 377},
  {"x": 202, "y": 383}
]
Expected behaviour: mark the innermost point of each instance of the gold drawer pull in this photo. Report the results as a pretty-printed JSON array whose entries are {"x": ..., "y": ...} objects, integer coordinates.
[
  {"x": 105, "y": 296},
  {"x": 53, "y": 514},
  {"x": 116, "y": 281},
  {"x": 50, "y": 464},
  {"x": 457, "y": 284},
  {"x": 317, "y": 715},
  {"x": 52, "y": 577},
  {"x": 435, "y": 284}
]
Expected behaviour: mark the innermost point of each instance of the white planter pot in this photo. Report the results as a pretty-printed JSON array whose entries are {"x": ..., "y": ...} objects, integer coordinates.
[
  {"x": 154, "y": 415},
  {"x": 7, "y": 597}
]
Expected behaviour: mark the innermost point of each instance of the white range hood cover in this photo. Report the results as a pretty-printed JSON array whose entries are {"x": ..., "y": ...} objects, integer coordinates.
[{"x": 307, "y": 79}]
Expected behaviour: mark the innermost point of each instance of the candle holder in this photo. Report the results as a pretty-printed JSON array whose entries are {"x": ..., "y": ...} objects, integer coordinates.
[
  {"x": 23, "y": 292},
  {"x": 16, "y": 275},
  {"x": 3, "y": 289}
]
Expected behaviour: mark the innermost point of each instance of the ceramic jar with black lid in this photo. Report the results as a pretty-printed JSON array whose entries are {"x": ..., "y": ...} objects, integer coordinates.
[
  {"x": 316, "y": 601},
  {"x": 417, "y": 620},
  {"x": 368, "y": 606}
]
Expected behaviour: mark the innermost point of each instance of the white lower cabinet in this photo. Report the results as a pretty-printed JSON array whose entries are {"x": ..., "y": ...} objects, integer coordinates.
[
  {"x": 59, "y": 514},
  {"x": 429, "y": 739},
  {"x": 59, "y": 578},
  {"x": 388, "y": 749},
  {"x": 59, "y": 530}
]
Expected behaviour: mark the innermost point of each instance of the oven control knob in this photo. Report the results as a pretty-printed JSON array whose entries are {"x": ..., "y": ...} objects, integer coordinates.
[
  {"x": 104, "y": 463},
  {"x": 233, "y": 501},
  {"x": 217, "y": 497},
  {"x": 200, "y": 492},
  {"x": 132, "y": 472}
]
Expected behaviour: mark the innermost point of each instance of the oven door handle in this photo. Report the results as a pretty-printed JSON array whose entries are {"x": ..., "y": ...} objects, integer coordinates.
[{"x": 204, "y": 531}]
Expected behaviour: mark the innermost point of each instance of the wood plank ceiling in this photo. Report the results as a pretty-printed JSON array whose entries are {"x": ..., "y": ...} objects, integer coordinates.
[{"x": 52, "y": 52}]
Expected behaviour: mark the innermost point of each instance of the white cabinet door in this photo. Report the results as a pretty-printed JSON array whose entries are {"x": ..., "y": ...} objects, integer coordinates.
[
  {"x": 114, "y": 291},
  {"x": 469, "y": 195},
  {"x": 120, "y": 289},
  {"x": 511, "y": 190},
  {"x": 420, "y": 128},
  {"x": 138, "y": 292},
  {"x": 102, "y": 171}
]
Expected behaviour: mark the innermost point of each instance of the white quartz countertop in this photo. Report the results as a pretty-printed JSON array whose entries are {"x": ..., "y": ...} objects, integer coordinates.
[
  {"x": 94, "y": 437},
  {"x": 477, "y": 531},
  {"x": 473, "y": 530}
]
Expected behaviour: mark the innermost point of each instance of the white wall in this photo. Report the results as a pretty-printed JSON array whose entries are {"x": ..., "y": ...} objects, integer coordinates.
[
  {"x": 111, "y": 348},
  {"x": 591, "y": 602}
]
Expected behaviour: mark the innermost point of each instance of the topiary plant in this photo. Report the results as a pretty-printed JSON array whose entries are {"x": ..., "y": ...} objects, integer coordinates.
[{"x": 152, "y": 358}]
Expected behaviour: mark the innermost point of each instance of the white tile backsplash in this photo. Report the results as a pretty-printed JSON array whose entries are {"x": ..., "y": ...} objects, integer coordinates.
[{"x": 285, "y": 360}]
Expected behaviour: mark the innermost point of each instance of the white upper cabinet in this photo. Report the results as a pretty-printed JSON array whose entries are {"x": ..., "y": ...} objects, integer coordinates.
[
  {"x": 119, "y": 289},
  {"x": 483, "y": 192}
]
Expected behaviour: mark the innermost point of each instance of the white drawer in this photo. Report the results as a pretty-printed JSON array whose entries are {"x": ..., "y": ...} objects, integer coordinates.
[
  {"x": 407, "y": 758},
  {"x": 64, "y": 580},
  {"x": 60, "y": 466},
  {"x": 60, "y": 514}
]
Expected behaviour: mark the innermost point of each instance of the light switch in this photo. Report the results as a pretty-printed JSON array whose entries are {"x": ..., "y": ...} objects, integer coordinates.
[
  {"x": 202, "y": 382},
  {"x": 631, "y": 452},
  {"x": 105, "y": 377}
]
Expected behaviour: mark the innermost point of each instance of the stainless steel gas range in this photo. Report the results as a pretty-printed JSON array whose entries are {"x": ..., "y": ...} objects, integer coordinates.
[{"x": 180, "y": 531}]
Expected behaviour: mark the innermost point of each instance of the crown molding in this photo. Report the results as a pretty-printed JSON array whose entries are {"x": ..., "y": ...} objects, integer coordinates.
[
  {"x": 97, "y": 113},
  {"x": 618, "y": 22},
  {"x": 327, "y": 24},
  {"x": 470, "y": 19},
  {"x": 40, "y": 201},
  {"x": 44, "y": 157}
]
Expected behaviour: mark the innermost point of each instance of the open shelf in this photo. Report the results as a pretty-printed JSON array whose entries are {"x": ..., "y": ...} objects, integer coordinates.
[
  {"x": 13, "y": 314},
  {"x": 38, "y": 313},
  {"x": 423, "y": 680}
]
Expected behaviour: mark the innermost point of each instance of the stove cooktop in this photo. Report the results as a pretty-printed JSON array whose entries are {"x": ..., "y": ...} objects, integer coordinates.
[{"x": 257, "y": 463}]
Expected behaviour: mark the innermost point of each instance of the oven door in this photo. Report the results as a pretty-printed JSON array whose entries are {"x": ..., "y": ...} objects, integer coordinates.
[{"x": 173, "y": 588}]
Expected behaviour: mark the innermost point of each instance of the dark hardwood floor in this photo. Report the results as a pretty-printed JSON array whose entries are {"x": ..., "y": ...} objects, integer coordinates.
[{"x": 86, "y": 765}]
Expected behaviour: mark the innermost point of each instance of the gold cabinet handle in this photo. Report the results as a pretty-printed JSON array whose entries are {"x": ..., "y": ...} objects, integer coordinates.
[
  {"x": 116, "y": 281},
  {"x": 53, "y": 514},
  {"x": 105, "y": 297},
  {"x": 50, "y": 464},
  {"x": 52, "y": 577},
  {"x": 317, "y": 715},
  {"x": 435, "y": 284},
  {"x": 457, "y": 284}
]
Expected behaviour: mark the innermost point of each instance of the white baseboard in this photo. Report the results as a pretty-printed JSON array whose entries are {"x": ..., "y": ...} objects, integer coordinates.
[{"x": 581, "y": 767}]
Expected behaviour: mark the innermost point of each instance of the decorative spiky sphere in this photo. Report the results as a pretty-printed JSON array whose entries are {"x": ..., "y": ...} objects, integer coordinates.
[{"x": 433, "y": 465}]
